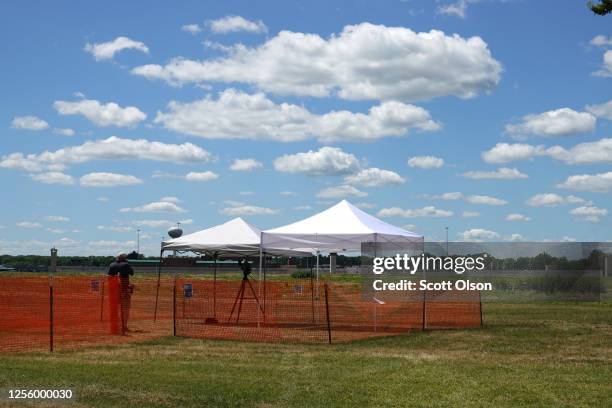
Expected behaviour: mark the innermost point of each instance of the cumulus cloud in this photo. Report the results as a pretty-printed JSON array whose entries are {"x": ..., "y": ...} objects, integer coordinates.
[
  {"x": 201, "y": 176},
  {"x": 115, "y": 228},
  {"x": 341, "y": 192},
  {"x": 596, "y": 183},
  {"x": 64, "y": 131},
  {"x": 470, "y": 214},
  {"x": 232, "y": 24},
  {"x": 245, "y": 165},
  {"x": 374, "y": 177},
  {"x": 601, "y": 41},
  {"x": 29, "y": 122},
  {"x": 165, "y": 204},
  {"x": 240, "y": 209},
  {"x": 107, "y": 50},
  {"x": 426, "y": 162},
  {"x": 239, "y": 115},
  {"x": 53, "y": 177},
  {"x": 327, "y": 161},
  {"x": 472, "y": 199},
  {"x": 599, "y": 151},
  {"x": 113, "y": 148},
  {"x": 102, "y": 179},
  {"x": 57, "y": 218},
  {"x": 589, "y": 213},
  {"x": 603, "y": 110},
  {"x": 428, "y": 211},
  {"x": 29, "y": 225},
  {"x": 364, "y": 61},
  {"x": 160, "y": 223},
  {"x": 478, "y": 234},
  {"x": 517, "y": 217},
  {"x": 552, "y": 200},
  {"x": 606, "y": 68},
  {"x": 503, "y": 173},
  {"x": 560, "y": 122},
  {"x": 485, "y": 200},
  {"x": 191, "y": 28},
  {"x": 101, "y": 114}
]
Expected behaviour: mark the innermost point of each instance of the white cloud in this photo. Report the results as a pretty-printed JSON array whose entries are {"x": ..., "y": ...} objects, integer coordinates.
[
  {"x": 428, "y": 211},
  {"x": 102, "y": 179},
  {"x": 191, "y": 28},
  {"x": 246, "y": 193},
  {"x": 107, "y": 50},
  {"x": 55, "y": 230},
  {"x": 53, "y": 177},
  {"x": 201, "y": 176},
  {"x": 238, "y": 210},
  {"x": 601, "y": 41},
  {"x": 232, "y": 24},
  {"x": 374, "y": 177},
  {"x": 102, "y": 114},
  {"x": 478, "y": 234},
  {"x": 324, "y": 162},
  {"x": 302, "y": 207},
  {"x": 29, "y": 123},
  {"x": 113, "y": 148},
  {"x": 29, "y": 225},
  {"x": 340, "y": 192},
  {"x": 109, "y": 246},
  {"x": 503, "y": 173},
  {"x": 170, "y": 199},
  {"x": 515, "y": 237},
  {"x": 64, "y": 131},
  {"x": 589, "y": 213},
  {"x": 160, "y": 223},
  {"x": 166, "y": 204},
  {"x": 470, "y": 214},
  {"x": 606, "y": 68},
  {"x": 457, "y": 8},
  {"x": 485, "y": 200},
  {"x": 505, "y": 152},
  {"x": 239, "y": 115},
  {"x": 599, "y": 151},
  {"x": 288, "y": 193},
  {"x": 552, "y": 200},
  {"x": 364, "y": 61},
  {"x": 102, "y": 199},
  {"x": 559, "y": 122},
  {"x": 115, "y": 228},
  {"x": 426, "y": 162},
  {"x": 245, "y": 165},
  {"x": 597, "y": 183},
  {"x": 517, "y": 217},
  {"x": 603, "y": 110},
  {"x": 57, "y": 218},
  {"x": 365, "y": 206}
]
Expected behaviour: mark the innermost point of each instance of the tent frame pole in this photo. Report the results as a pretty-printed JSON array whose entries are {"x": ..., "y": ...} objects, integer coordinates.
[
  {"x": 259, "y": 272},
  {"x": 159, "y": 268}
]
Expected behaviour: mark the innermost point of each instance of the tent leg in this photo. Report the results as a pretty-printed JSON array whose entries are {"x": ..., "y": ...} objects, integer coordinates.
[
  {"x": 215, "y": 289},
  {"x": 260, "y": 264}
]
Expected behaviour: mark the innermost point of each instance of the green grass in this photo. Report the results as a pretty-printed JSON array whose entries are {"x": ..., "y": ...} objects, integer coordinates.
[{"x": 557, "y": 354}]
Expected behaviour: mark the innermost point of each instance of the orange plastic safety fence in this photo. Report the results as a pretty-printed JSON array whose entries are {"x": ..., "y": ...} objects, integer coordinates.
[{"x": 42, "y": 313}]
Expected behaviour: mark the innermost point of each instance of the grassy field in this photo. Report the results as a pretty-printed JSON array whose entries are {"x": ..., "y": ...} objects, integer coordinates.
[{"x": 526, "y": 355}]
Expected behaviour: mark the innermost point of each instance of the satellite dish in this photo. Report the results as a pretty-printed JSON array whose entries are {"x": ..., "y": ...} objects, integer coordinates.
[{"x": 175, "y": 232}]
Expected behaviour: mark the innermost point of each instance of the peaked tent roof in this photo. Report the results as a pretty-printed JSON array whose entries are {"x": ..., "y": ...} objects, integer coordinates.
[
  {"x": 235, "y": 237},
  {"x": 340, "y": 227}
]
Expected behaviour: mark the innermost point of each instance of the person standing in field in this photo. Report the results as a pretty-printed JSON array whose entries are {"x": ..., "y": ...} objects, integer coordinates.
[{"x": 122, "y": 268}]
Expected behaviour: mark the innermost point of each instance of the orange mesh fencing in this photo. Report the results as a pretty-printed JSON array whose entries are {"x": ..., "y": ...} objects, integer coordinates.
[{"x": 42, "y": 313}]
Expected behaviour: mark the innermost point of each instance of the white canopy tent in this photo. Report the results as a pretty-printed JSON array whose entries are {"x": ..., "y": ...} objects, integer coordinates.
[
  {"x": 233, "y": 238},
  {"x": 342, "y": 227}
]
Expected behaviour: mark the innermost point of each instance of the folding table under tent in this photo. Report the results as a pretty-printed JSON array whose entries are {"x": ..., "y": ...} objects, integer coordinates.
[{"x": 342, "y": 227}]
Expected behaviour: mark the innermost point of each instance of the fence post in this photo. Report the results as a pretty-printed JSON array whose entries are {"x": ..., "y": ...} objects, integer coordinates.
[
  {"x": 424, "y": 306},
  {"x": 329, "y": 338},
  {"x": 174, "y": 308},
  {"x": 51, "y": 323},
  {"x": 480, "y": 305}
]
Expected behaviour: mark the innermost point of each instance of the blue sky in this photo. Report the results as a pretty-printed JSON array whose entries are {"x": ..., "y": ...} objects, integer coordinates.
[{"x": 318, "y": 102}]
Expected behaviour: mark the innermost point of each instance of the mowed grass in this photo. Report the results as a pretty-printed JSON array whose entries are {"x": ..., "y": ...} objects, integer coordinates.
[{"x": 526, "y": 355}]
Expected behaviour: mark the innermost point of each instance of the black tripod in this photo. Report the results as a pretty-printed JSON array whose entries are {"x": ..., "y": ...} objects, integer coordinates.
[{"x": 246, "y": 271}]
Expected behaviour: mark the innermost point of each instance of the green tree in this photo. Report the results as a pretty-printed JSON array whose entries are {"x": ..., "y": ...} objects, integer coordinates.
[{"x": 602, "y": 8}]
